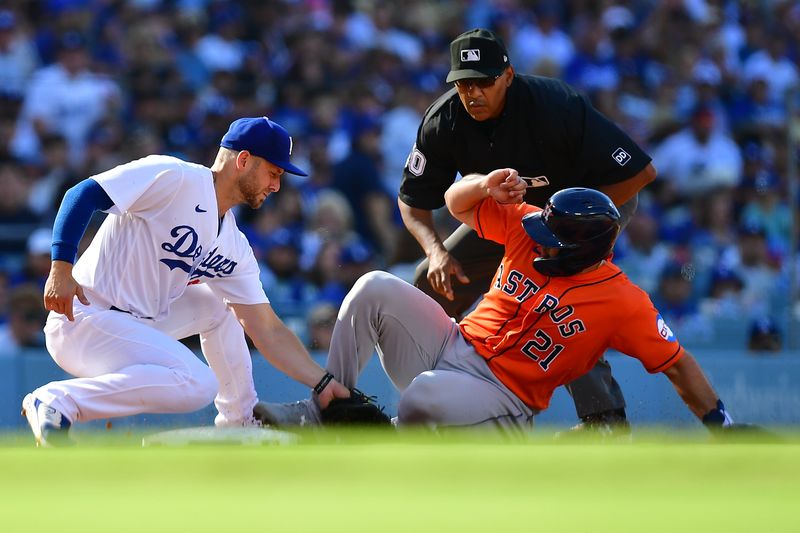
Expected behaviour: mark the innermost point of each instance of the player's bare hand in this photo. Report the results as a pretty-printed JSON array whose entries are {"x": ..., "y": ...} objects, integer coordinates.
[
  {"x": 505, "y": 186},
  {"x": 333, "y": 390},
  {"x": 61, "y": 288},
  {"x": 441, "y": 267}
]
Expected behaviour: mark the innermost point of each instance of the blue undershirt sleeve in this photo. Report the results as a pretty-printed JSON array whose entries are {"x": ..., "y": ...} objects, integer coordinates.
[{"x": 77, "y": 208}]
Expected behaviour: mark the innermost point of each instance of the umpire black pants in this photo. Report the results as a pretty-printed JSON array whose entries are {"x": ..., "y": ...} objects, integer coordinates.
[{"x": 593, "y": 393}]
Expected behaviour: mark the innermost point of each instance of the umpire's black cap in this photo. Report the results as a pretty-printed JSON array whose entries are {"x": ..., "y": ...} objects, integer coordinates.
[{"x": 478, "y": 53}]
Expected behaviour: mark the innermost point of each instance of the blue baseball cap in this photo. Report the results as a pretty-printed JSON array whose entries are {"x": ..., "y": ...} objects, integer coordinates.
[{"x": 263, "y": 138}]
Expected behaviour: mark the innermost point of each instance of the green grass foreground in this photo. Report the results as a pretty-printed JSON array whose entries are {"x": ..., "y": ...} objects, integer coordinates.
[{"x": 386, "y": 482}]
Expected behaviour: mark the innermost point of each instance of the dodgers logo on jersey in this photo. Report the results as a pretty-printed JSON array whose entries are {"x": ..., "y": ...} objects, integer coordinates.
[
  {"x": 185, "y": 245},
  {"x": 663, "y": 329},
  {"x": 213, "y": 265}
]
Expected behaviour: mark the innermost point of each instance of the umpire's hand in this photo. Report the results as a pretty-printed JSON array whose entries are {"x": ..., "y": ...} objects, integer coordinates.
[
  {"x": 60, "y": 289},
  {"x": 441, "y": 266}
]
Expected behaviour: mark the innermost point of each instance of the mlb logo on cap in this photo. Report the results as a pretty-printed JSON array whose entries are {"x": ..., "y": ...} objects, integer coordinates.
[
  {"x": 477, "y": 53},
  {"x": 470, "y": 55}
]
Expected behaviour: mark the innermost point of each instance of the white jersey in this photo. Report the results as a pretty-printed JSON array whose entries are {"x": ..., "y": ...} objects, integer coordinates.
[{"x": 163, "y": 234}]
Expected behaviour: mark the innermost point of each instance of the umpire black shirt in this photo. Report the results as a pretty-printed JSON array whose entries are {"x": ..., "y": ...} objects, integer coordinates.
[{"x": 546, "y": 129}]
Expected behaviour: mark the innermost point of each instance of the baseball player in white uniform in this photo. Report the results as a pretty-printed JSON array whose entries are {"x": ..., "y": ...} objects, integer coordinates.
[{"x": 168, "y": 262}]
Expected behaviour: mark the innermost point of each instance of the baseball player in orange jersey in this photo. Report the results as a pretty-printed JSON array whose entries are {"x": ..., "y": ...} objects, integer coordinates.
[{"x": 556, "y": 303}]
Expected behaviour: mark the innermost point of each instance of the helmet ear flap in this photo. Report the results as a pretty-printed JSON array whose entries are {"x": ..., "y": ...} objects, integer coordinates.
[{"x": 581, "y": 223}]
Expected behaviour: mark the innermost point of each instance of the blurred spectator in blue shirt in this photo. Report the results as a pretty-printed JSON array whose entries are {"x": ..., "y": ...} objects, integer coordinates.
[
  {"x": 698, "y": 158},
  {"x": 773, "y": 65},
  {"x": 724, "y": 298},
  {"x": 640, "y": 253},
  {"x": 399, "y": 132},
  {"x": 753, "y": 112},
  {"x": 36, "y": 266},
  {"x": 541, "y": 40},
  {"x": 17, "y": 221},
  {"x": 18, "y": 57},
  {"x": 676, "y": 301},
  {"x": 712, "y": 231},
  {"x": 759, "y": 271},
  {"x": 65, "y": 98},
  {"x": 767, "y": 206},
  {"x": 26, "y": 318},
  {"x": 53, "y": 177},
  {"x": 592, "y": 66},
  {"x": 288, "y": 290},
  {"x": 358, "y": 177},
  {"x": 704, "y": 90},
  {"x": 223, "y": 48}
]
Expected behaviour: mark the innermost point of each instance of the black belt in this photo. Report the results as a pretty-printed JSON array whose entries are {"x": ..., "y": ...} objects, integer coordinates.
[{"x": 114, "y": 308}]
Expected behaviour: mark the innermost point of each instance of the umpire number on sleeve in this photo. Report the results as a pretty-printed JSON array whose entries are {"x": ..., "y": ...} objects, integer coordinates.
[
  {"x": 621, "y": 156},
  {"x": 416, "y": 162}
]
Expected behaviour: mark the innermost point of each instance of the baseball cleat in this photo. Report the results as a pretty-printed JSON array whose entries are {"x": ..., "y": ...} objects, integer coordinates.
[
  {"x": 50, "y": 427},
  {"x": 301, "y": 413}
]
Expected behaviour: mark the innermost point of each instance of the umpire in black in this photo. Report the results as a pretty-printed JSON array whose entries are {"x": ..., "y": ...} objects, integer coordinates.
[{"x": 494, "y": 118}]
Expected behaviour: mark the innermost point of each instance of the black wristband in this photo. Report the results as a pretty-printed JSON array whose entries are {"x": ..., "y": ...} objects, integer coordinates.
[
  {"x": 717, "y": 417},
  {"x": 319, "y": 387}
]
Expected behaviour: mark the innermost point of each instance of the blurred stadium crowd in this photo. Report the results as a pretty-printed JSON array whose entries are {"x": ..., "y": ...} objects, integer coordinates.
[{"x": 701, "y": 84}]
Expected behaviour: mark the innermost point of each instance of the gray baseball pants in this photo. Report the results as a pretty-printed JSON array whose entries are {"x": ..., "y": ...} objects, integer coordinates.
[{"x": 443, "y": 381}]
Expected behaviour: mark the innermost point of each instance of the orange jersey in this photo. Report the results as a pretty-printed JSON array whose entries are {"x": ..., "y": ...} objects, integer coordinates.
[{"x": 538, "y": 332}]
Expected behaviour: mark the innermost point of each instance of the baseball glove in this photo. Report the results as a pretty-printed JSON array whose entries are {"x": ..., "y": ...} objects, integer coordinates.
[{"x": 357, "y": 410}]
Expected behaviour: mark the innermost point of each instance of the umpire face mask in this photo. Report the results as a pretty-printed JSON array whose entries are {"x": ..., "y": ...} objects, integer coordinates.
[{"x": 581, "y": 224}]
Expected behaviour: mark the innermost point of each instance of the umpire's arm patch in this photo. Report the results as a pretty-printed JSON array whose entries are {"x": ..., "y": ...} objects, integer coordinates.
[
  {"x": 416, "y": 162},
  {"x": 621, "y": 156}
]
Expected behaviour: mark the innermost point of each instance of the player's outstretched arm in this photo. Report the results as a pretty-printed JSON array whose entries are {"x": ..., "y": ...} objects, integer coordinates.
[
  {"x": 281, "y": 347},
  {"x": 694, "y": 388},
  {"x": 688, "y": 379}
]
